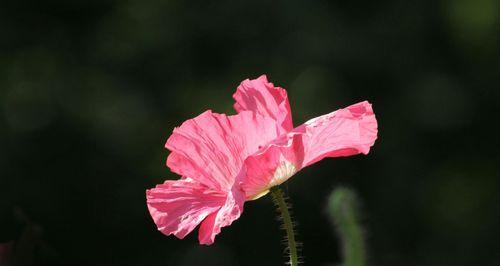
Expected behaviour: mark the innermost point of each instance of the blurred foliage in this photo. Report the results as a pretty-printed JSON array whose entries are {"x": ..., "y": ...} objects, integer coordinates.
[{"x": 90, "y": 90}]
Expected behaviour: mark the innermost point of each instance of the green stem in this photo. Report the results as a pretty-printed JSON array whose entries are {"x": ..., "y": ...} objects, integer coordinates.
[
  {"x": 343, "y": 209},
  {"x": 283, "y": 209}
]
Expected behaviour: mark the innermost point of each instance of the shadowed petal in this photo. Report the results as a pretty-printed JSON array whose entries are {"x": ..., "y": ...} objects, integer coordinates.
[
  {"x": 260, "y": 96},
  {"x": 211, "y": 148},
  {"x": 177, "y": 207}
]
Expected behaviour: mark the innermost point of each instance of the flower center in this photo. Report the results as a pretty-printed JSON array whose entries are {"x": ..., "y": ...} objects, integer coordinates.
[{"x": 283, "y": 172}]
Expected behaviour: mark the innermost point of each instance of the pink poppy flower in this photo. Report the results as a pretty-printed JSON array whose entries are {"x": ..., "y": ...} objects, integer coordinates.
[{"x": 227, "y": 160}]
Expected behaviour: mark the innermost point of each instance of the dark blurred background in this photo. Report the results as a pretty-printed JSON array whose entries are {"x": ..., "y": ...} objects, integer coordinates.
[{"x": 90, "y": 91}]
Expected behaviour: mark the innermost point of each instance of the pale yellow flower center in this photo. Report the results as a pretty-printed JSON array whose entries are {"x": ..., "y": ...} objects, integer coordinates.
[{"x": 284, "y": 171}]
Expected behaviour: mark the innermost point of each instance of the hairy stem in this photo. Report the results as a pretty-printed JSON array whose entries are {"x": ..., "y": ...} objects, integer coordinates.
[
  {"x": 283, "y": 209},
  {"x": 343, "y": 210}
]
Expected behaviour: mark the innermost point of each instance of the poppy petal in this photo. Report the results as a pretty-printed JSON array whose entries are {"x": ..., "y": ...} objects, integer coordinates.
[
  {"x": 345, "y": 132},
  {"x": 177, "y": 207},
  {"x": 230, "y": 211},
  {"x": 262, "y": 97},
  {"x": 211, "y": 148}
]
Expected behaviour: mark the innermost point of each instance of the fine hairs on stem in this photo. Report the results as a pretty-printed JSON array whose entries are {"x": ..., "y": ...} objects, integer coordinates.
[{"x": 287, "y": 224}]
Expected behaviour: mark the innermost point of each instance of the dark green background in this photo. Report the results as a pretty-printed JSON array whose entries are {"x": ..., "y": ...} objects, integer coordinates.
[{"x": 90, "y": 91}]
